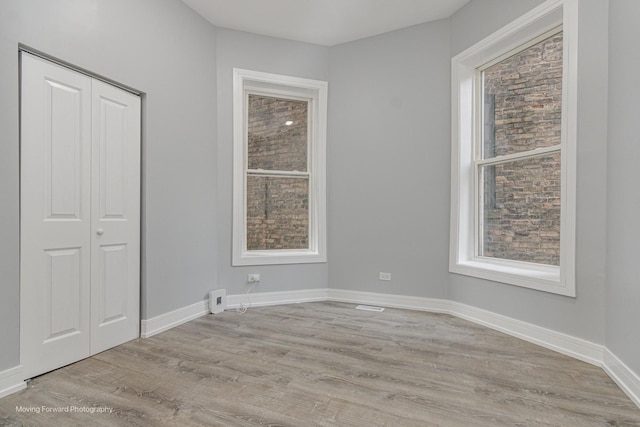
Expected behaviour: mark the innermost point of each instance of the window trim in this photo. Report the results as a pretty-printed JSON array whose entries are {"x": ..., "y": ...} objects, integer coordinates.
[
  {"x": 248, "y": 81},
  {"x": 463, "y": 234}
]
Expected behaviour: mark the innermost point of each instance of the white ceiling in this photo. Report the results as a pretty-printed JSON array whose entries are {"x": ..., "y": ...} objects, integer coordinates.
[{"x": 324, "y": 22}]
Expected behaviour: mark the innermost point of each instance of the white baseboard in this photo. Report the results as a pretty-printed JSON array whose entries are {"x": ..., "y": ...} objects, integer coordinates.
[
  {"x": 182, "y": 315},
  {"x": 557, "y": 341},
  {"x": 626, "y": 379},
  {"x": 580, "y": 349},
  {"x": 566, "y": 344},
  {"x": 174, "y": 318},
  {"x": 11, "y": 381},
  {"x": 577, "y": 348},
  {"x": 431, "y": 305},
  {"x": 276, "y": 298}
]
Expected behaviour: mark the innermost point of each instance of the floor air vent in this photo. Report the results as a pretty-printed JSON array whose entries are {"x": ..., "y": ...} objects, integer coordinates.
[{"x": 370, "y": 308}]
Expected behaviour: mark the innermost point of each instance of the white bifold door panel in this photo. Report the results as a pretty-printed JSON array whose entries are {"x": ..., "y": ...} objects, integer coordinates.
[
  {"x": 115, "y": 217},
  {"x": 55, "y": 216},
  {"x": 80, "y": 216}
]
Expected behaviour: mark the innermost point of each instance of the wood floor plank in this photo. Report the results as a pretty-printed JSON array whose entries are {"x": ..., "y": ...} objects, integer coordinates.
[{"x": 325, "y": 364}]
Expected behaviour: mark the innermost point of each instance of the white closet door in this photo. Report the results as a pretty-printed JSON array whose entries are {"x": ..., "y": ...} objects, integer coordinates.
[
  {"x": 55, "y": 227},
  {"x": 115, "y": 260},
  {"x": 80, "y": 216}
]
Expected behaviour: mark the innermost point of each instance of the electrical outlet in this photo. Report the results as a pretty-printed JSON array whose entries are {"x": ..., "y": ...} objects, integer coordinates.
[
  {"x": 253, "y": 278},
  {"x": 385, "y": 276}
]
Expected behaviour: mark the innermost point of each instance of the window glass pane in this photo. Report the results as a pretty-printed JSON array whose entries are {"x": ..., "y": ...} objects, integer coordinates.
[
  {"x": 277, "y": 213},
  {"x": 520, "y": 210},
  {"x": 523, "y": 100},
  {"x": 277, "y": 134}
]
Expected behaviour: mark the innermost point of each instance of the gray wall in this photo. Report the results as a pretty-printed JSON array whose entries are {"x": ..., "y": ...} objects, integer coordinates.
[
  {"x": 480, "y": 18},
  {"x": 388, "y": 163},
  {"x": 582, "y": 316},
  {"x": 271, "y": 55},
  {"x": 623, "y": 231},
  {"x": 164, "y": 49}
]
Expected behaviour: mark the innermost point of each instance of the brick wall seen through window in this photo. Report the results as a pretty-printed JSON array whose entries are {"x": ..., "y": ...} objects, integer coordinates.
[
  {"x": 520, "y": 209},
  {"x": 277, "y": 204}
]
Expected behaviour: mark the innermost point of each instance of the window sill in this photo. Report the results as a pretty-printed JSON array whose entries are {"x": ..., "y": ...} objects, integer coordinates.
[
  {"x": 278, "y": 257},
  {"x": 534, "y": 276}
]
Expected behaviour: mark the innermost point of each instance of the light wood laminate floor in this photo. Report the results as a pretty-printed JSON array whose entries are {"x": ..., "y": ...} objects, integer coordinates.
[{"x": 325, "y": 364}]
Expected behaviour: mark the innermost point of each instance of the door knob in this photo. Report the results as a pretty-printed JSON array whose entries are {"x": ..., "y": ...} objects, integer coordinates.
[{"x": 100, "y": 231}]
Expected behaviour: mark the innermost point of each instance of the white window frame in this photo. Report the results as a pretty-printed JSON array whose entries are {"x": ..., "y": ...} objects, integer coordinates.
[
  {"x": 280, "y": 86},
  {"x": 463, "y": 258}
]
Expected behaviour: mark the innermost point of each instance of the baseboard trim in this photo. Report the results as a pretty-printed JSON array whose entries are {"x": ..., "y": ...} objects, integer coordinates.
[
  {"x": 164, "y": 322},
  {"x": 577, "y": 348},
  {"x": 11, "y": 381},
  {"x": 431, "y": 305},
  {"x": 568, "y": 345},
  {"x": 556, "y": 341},
  {"x": 626, "y": 379},
  {"x": 276, "y": 298}
]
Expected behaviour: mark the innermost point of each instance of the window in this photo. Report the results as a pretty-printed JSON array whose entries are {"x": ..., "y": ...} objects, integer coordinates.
[
  {"x": 514, "y": 153},
  {"x": 279, "y": 169}
]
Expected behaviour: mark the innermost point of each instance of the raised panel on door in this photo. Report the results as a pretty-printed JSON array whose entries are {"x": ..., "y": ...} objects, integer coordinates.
[
  {"x": 62, "y": 150},
  {"x": 63, "y": 291},
  {"x": 113, "y": 260},
  {"x": 116, "y": 217},
  {"x": 55, "y": 219}
]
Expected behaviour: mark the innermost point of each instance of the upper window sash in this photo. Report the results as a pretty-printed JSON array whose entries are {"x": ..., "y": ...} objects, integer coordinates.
[
  {"x": 280, "y": 93},
  {"x": 309, "y": 141}
]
